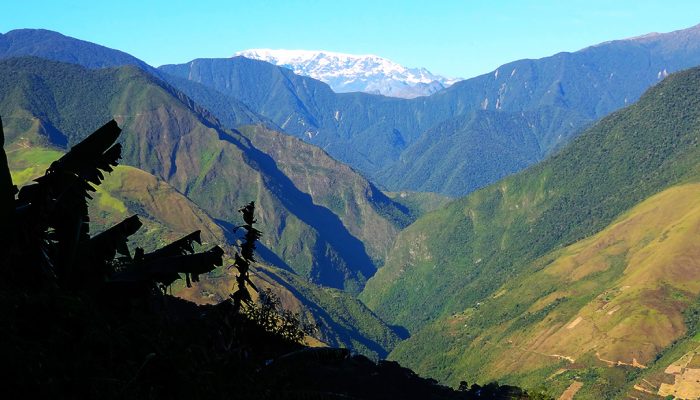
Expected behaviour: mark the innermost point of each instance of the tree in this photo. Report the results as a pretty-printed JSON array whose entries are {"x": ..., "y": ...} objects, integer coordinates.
[{"x": 270, "y": 315}]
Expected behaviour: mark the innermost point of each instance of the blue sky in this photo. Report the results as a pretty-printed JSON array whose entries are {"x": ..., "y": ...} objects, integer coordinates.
[{"x": 450, "y": 37}]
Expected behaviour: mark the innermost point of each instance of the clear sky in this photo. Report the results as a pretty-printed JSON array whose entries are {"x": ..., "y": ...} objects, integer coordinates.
[{"x": 457, "y": 38}]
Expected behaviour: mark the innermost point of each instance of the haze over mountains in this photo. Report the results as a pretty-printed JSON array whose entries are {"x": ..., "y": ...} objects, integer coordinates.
[
  {"x": 580, "y": 269},
  {"x": 355, "y": 73}
]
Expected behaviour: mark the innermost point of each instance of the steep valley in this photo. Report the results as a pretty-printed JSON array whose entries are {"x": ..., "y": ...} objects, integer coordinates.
[
  {"x": 581, "y": 268},
  {"x": 579, "y": 273},
  {"x": 172, "y": 138},
  {"x": 166, "y": 214}
]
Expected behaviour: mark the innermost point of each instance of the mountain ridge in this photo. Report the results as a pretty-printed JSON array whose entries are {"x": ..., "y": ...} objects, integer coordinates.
[
  {"x": 563, "y": 94},
  {"x": 354, "y": 73}
]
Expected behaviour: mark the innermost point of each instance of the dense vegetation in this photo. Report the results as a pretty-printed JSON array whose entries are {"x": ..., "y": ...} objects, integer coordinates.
[
  {"x": 54, "y": 46},
  {"x": 480, "y": 147},
  {"x": 419, "y": 203},
  {"x": 507, "y": 232},
  {"x": 480, "y": 241},
  {"x": 618, "y": 296}
]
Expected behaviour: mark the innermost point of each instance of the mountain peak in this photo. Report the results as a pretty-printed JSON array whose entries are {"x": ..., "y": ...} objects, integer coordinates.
[{"x": 354, "y": 73}]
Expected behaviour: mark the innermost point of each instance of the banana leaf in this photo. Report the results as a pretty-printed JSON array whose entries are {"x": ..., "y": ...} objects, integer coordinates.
[
  {"x": 104, "y": 246},
  {"x": 161, "y": 269},
  {"x": 179, "y": 247},
  {"x": 57, "y": 202}
]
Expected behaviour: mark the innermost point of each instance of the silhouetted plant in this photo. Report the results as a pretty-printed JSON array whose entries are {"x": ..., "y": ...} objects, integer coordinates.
[
  {"x": 47, "y": 227},
  {"x": 245, "y": 258},
  {"x": 50, "y": 217},
  {"x": 7, "y": 192},
  {"x": 271, "y": 316}
]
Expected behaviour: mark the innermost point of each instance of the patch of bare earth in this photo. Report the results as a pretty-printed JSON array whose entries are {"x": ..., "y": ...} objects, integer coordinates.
[
  {"x": 571, "y": 391},
  {"x": 686, "y": 384}
]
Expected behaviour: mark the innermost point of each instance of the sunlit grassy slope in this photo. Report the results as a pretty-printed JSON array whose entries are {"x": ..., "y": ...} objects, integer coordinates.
[
  {"x": 166, "y": 214},
  {"x": 616, "y": 298},
  {"x": 419, "y": 203}
]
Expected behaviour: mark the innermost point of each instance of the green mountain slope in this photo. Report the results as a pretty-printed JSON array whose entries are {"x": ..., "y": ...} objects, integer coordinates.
[
  {"x": 617, "y": 298},
  {"x": 453, "y": 258},
  {"x": 169, "y": 136},
  {"x": 419, "y": 203},
  {"x": 167, "y": 215},
  {"x": 55, "y": 46},
  {"x": 481, "y": 147}
]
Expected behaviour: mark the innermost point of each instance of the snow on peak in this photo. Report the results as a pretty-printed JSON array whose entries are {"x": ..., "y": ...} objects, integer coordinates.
[{"x": 354, "y": 73}]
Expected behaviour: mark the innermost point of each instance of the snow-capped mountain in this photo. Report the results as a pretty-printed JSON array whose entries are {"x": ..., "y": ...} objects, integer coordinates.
[{"x": 355, "y": 73}]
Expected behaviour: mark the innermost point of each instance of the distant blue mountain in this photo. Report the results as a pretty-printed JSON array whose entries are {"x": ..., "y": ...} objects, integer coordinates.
[
  {"x": 394, "y": 141},
  {"x": 52, "y": 45},
  {"x": 55, "y": 46}
]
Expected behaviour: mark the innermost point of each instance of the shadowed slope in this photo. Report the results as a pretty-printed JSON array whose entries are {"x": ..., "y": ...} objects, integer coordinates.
[
  {"x": 167, "y": 215},
  {"x": 169, "y": 136}
]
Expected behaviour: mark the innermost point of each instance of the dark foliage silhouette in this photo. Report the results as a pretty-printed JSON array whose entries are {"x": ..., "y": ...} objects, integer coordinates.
[
  {"x": 245, "y": 258},
  {"x": 49, "y": 227},
  {"x": 271, "y": 316}
]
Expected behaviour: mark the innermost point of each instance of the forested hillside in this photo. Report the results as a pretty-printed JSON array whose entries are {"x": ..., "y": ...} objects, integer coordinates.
[{"x": 484, "y": 260}]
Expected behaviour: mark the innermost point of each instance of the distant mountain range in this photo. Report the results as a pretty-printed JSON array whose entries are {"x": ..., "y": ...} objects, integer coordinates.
[
  {"x": 438, "y": 143},
  {"x": 355, "y": 73}
]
